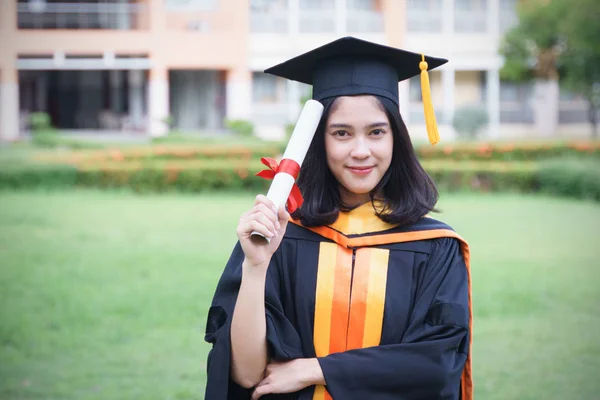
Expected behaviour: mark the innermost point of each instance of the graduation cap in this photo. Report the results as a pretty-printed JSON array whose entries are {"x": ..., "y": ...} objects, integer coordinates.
[{"x": 351, "y": 66}]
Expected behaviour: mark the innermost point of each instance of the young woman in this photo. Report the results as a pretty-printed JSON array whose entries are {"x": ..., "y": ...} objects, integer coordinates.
[{"x": 359, "y": 294}]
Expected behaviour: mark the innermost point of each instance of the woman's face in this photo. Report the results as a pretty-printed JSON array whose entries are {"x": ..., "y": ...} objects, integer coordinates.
[{"x": 359, "y": 146}]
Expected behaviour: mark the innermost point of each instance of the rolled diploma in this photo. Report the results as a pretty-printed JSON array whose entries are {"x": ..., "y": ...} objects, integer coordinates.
[{"x": 296, "y": 150}]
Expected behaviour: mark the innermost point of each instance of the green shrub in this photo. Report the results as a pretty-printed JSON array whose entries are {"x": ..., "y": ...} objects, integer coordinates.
[
  {"x": 562, "y": 177},
  {"x": 508, "y": 151},
  {"x": 571, "y": 177},
  {"x": 469, "y": 120},
  {"x": 240, "y": 126},
  {"x": 40, "y": 121},
  {"x": 22, "y": 176},
  {"x": 483, "y": 176}
]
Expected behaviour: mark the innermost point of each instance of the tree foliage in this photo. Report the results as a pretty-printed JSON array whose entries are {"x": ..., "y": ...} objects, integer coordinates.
[{"x": 556, "y": 40}]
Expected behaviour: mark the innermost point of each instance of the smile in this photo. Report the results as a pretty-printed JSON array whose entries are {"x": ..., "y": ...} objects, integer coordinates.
[{"x": 360, "y": 170}]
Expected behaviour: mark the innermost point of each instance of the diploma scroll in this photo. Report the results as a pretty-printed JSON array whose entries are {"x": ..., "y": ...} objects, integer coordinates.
[{"x": 296, "y": 150}]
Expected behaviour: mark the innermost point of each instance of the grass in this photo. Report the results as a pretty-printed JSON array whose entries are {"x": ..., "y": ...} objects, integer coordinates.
[{"x": 104, "y": 295}]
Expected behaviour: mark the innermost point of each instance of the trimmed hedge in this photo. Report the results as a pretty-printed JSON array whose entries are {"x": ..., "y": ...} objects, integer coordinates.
[
  {"x": 484, "y": 176},
  {"x": 23, "y": 176},
  {"x": 164, "y": 152},
  {"x": 502, "y": 152},
  {"x": 577, "y": 178},
  {"x": 509, "y": 151},
  {"x": 200, "y": 175}
]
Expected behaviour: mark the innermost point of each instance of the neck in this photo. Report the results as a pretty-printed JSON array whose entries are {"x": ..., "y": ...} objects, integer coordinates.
[{"x": 352, "y": 200}]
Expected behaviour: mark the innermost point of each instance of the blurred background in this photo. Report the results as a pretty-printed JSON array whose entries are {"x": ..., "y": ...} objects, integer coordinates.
[
  {"x": 131, "y": 130},
  {"x": 140, "y": 67}
]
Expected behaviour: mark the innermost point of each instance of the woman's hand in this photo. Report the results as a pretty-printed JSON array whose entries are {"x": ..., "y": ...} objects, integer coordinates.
[
  {"x": 264, "y": 219},
  {"x": 289, "y": 377}
]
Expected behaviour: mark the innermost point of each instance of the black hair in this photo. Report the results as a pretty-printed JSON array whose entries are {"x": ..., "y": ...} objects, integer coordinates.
[{"x": 408, "y": 191}]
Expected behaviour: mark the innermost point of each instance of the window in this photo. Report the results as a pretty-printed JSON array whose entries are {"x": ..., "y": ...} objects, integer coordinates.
[
  {"x": 267, "y": 88},
  {"x": 470, "y": 5},
  {"x": 363, "y": 5},
  {"x": 267, "y": 6},
  {"x": 470, "y": 15},
  {"x": 424, "y": 16},
  {"x": 191, "y": 5},
  {"x": 414, "y": 88},
  {"x": 317, "y": 16},
  {"x": 269, "y": 16},
  {"x": 508, "y": 14},
  {"x": 317, "y": 4},
  {"x": 515, "y": 102}
]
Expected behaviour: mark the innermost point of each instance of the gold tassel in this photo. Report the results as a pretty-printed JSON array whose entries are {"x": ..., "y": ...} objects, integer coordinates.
[{"x": 432, "y": 130}]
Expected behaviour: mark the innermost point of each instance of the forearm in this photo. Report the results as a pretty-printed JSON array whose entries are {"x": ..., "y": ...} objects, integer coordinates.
[{"x": 248, "y": 328}]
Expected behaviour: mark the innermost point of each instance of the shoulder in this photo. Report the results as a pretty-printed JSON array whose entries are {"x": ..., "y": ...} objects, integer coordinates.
[
  {"x": 299, "y": 232},
  {"x": 427, "y": 224}
]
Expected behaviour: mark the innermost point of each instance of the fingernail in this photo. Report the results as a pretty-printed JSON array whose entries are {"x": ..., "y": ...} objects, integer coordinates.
[
  {"x": 278, "y": 225},
  {"x": 274, "y": 209}
]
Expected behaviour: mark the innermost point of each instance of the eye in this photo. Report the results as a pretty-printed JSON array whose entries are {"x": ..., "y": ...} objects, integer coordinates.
[
  {"x": 377, "y": 132},
  {"x": 341, "y": 133}
]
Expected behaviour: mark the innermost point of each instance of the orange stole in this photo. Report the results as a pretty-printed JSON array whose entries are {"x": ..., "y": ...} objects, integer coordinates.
[{"x": 349, "y": 304}]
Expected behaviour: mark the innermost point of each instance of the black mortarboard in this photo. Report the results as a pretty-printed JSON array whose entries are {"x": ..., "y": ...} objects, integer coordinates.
[{"x": 351, "y": 66}]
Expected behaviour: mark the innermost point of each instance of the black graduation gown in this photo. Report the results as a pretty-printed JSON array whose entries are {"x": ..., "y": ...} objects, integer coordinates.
[{"x": 395, "y": 324}]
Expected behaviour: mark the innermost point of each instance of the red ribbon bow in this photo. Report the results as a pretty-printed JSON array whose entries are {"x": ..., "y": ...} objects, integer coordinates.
[{"x": 290, "y": 167}]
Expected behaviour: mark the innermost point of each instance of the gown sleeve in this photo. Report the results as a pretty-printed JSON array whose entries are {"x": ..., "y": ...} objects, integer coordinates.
[
  {"x": 428, "y": 362},
  {"x": 282, "y": 338}
]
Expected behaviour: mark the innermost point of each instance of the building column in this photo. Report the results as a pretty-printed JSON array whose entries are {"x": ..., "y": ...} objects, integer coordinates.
[
  {"x": 449, "y": 84},
  {"x": 9, "y": 104},
  {"x": 493, "y": 102},
  {"x": 341, "y": 12},
  {"x": 136, "y": 97},
  {"x": 158, "y": 101},
  {"x": 395, "y": 22},
  {"x": 239, "y": 94}
]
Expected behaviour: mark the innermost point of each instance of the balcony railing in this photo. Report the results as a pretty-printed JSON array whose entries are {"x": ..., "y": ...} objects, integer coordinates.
[{"x": 117, "y": 16}]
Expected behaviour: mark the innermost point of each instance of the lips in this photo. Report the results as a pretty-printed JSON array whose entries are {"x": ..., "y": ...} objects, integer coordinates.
[{"x": 361, "y": 170}]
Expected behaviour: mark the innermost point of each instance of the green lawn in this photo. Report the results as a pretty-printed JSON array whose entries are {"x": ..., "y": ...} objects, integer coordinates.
[{"x": 104, "y": 295}]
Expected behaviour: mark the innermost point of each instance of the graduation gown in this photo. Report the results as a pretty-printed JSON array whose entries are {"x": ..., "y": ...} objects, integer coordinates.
[{"x": 386, "y": 310}]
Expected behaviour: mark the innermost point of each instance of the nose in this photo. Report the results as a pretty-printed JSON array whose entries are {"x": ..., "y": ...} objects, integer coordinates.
[{"x": 360, "y": 149}]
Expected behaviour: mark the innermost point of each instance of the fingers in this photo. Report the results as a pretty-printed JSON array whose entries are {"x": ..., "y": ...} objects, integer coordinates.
[
  {"x": 248, "y": 227},
  {"x": 261, "y": 218},
  {"x": 260, "y": 199},
  {"x": 265, "y": 218},
  {"x": 282, "y": 215},
  {"x": 261, "y": 391}
]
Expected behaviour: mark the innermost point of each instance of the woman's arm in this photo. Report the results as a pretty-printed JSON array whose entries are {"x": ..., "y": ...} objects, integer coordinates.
[
  {"x": 249, "y": 328},
  {"x": 248, "y": 325}
]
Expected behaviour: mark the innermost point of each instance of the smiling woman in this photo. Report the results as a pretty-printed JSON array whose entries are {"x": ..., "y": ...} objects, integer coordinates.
[
  {"x": 362, "y": 152},
  {"x": 358, "y": 147},
  {"x": 359, "y": 294}
]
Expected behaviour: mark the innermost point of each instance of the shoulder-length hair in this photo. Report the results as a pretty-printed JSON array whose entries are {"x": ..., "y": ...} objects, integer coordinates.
[{"x": 408, "y": 191}]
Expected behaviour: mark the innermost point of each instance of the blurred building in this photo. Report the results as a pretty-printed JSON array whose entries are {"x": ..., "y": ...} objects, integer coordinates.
[{"x": 135, "y": 66}]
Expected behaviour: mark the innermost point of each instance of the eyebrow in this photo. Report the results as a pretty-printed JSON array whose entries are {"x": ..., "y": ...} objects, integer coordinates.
[{"x": 373, "y": 125}]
